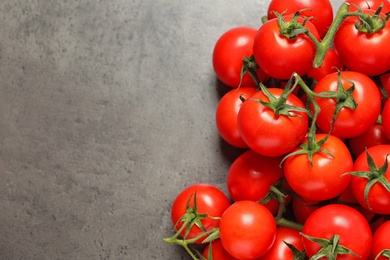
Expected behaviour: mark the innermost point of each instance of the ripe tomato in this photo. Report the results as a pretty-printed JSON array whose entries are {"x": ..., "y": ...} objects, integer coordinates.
[
  {"x": 324, "y": 179},
  {"x": 226, "y": 115},
  {"x": 381, "y": 241},
  {"x": 279, "y": 250},
  {"x": 320, "y": 10},
  {"x": 349, "y": 122},
  {"x": 386, "y": 118},
  {"x": 247, "y": 230},
  {"x": 348, "y": 223},
  {"x": 302, "y": 209},
  {"x": 229, "y": 50},
  {"x": 251, "y": 175},
  {"x": 209, "y": 199},
  {"x": 330, "y": 64},
  {"x": 378, "y": 197},
  {"x": 385, "y": 82},
  {"x": 369, "y": 4},
  {"x": 267, "y": 133},
  {"x": 366, "y": 55},
  {"x": 279, "y": 56},
  {"x": 375, "y": 135},
  {"x": 217, "y": 251}
]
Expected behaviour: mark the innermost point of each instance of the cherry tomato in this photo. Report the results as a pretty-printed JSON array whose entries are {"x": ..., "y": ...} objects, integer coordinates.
[
  {"x": 226, "y": 115},
  {"x": 381, "y": 241},
  {"x": 209, "y": 199},
  {"x": 320, "y": 10},
  {"x": 367, "y": 54},
  {"x": 375, "y": 135},
  {"x": 378, "y": 199},
  {"x": 267, "y": 133},
  {"x": 324, "y": 179},
  {"x": 251, "y": 175},
  {"x": 218, "y": 252},
  {"x": 279, "y": 250},
  {"x": 385, "y": 82},
  {"x": 349, "y": 122},
  {"x": 229, "y": 50},
  {"x": 386, "y": 118},
  {"x": 247, "y": 230},
  {"x": 346, "y": 222},
  {"x": 330, "y": 64},
  {"x": 279, "y": 56},
  {"x": 303, "y": 208},
  {"x": 369, "y": 4}
]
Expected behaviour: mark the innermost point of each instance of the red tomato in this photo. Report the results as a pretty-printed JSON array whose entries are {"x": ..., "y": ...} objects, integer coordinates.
[
  {"x": 330, "y": 64},
  {"x": 226, "y": 115},
  {"x": 324, "y": 179},
  {"x": 386, "y": 118},
  {"x": 369, "y": 4},
  {"x": 279, "y": 56},
  {"x": 209, "y": 199},
  {"x": 279, "y": 250},
  {"x": 378, "y": 197},
  {"x": 348, "y": 223},
  {"x": 385, "y": 82},
  {"x": 381, "y": 241},
  {"x": 251, "y": 175},
  {"x": 247, "y": 230},
  {"x": 303, "y": 208},
  {"x": 218, "y": 252},
  {"x": 228, "y": 53},
  {"x": 320, "y": 10},
  {"x": 375, "y": 135},
  {"x": 349, "y": 122},
  {"x": 267, "y": 133},
  {"x": 367, "y": 54}
]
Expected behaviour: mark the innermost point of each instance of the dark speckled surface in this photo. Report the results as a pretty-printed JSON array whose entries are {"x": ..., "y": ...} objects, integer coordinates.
[{"x": 107, "y": 112}]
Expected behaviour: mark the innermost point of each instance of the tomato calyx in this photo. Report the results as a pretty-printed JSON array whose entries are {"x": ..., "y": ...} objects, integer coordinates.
[
  {"x": 293, "y": 28},
  {"x": 297, "y": 255},
  {"x": 279, "y": 105},
  {"x": 384, "y": 252},
  {"x": 330, "y": 248},
  {"x": 370, "y": 24},
  {"x": 250, "y": 66},
  {"x": 374, "y": 175}
]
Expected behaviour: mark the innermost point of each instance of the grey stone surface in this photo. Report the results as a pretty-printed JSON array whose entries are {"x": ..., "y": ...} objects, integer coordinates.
[{"x": 107, "y": 112}]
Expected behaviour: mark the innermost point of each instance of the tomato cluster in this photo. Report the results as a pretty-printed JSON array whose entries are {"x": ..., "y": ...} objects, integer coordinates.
[{"x": 307, "y": 101}]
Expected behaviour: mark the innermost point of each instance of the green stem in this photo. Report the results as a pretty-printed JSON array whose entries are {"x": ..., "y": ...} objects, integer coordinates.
[{"x": 282, "y": 222}]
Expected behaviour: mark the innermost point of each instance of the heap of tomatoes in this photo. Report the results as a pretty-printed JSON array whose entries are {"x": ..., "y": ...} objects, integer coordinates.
[{"x": 308, "y": 103}]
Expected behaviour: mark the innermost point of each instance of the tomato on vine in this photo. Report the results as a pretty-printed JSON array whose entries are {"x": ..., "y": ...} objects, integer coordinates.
[
  {"x": 337, "y": 231},
  {"x": 272, "y": 122},
  {"x": 281, "y": 48},
  {"x": 247, "y": 230}
]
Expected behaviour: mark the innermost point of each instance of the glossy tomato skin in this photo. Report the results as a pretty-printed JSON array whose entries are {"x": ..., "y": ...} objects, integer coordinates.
[
  {"x": 209, "y": 199},
  {"x": 381, "y": 241},
  {"x": 251, "y": 175},
  {"x": 279, "y": 250},
  {"x": 378, "y": 197},
  {"x": 226, "y": 115},
  {"x": 330, "y": 64},
  {"x": 247, "y": 230},
  {"x": 367, "y": 54},
  {"x": 348, "y": 223},
  {"x": 386, "y": 118},
  {"x": 228, "y": 52},
  {"x": 269, "y": 134},
  {"x": 369, "y": 4},
  {"x": 349, "y": 122},
  {"x": 375, "y": 135},
  {"x": 218, "y": 252},
  {"x": 324, "y": 180},
  {"x": 320, "y": 10},
  {"x": 279, "y": 56}
]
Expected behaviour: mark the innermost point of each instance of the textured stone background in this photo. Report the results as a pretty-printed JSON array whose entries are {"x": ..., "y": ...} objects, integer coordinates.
[{"x": 107, "y": 112}]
